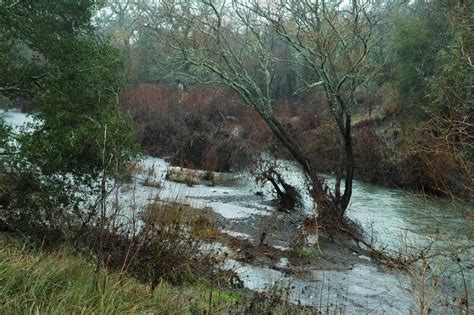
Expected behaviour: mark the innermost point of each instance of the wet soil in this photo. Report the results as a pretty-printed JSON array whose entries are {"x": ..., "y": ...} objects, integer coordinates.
[{"x": 271, "y": 238}]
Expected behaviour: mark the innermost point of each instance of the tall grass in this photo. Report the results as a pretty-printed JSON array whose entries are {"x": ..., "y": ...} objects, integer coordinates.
[{"x": 63, "y": 283}]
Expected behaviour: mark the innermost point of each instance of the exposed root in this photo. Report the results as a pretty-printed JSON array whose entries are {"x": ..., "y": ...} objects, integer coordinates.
[{"x": 267, "y": 171}]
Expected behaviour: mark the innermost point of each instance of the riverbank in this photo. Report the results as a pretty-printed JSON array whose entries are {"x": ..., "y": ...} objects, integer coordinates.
[{"x": 35, "y": 281}]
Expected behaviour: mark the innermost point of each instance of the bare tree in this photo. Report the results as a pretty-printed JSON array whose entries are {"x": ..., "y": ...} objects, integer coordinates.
[
  {"x": 333, "y": 40},
  {"x": 234, "y": 41},
  {"x": 122, "y": 21}
]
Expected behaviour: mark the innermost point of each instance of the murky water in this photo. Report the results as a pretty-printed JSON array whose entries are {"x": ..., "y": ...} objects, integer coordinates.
[
  {"x": 397, "y": 219},
  {"x": 394, "y": 216}
]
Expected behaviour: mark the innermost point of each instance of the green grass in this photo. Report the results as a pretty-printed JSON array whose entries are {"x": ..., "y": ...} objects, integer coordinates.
[
  {"x": 303, "y": 253},
  {"x": 62, "y": 282}
]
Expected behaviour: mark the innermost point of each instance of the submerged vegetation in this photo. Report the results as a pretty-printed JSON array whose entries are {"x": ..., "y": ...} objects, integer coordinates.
[{"x": 302, "y": 98}]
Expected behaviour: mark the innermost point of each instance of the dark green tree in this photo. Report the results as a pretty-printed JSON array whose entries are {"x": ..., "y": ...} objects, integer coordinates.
[
  {"x": 418, "y": 34},
  {"x": 50, "y": 54}
]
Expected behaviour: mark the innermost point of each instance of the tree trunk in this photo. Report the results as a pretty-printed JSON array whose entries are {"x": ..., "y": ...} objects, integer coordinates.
[
  {"x": 328, "y": 207},
  {"x": 349, "y": 165}
]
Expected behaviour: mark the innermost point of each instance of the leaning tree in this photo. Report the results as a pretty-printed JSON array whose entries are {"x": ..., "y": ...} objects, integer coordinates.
[{"x": 233, "y": 43}]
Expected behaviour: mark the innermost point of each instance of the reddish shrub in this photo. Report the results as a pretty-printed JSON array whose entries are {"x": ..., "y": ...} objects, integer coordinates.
[{"x": 203, "y": 127}]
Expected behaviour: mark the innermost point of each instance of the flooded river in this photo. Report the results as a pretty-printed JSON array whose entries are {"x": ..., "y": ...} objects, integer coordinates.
[{"x": 397, "y": 219}]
